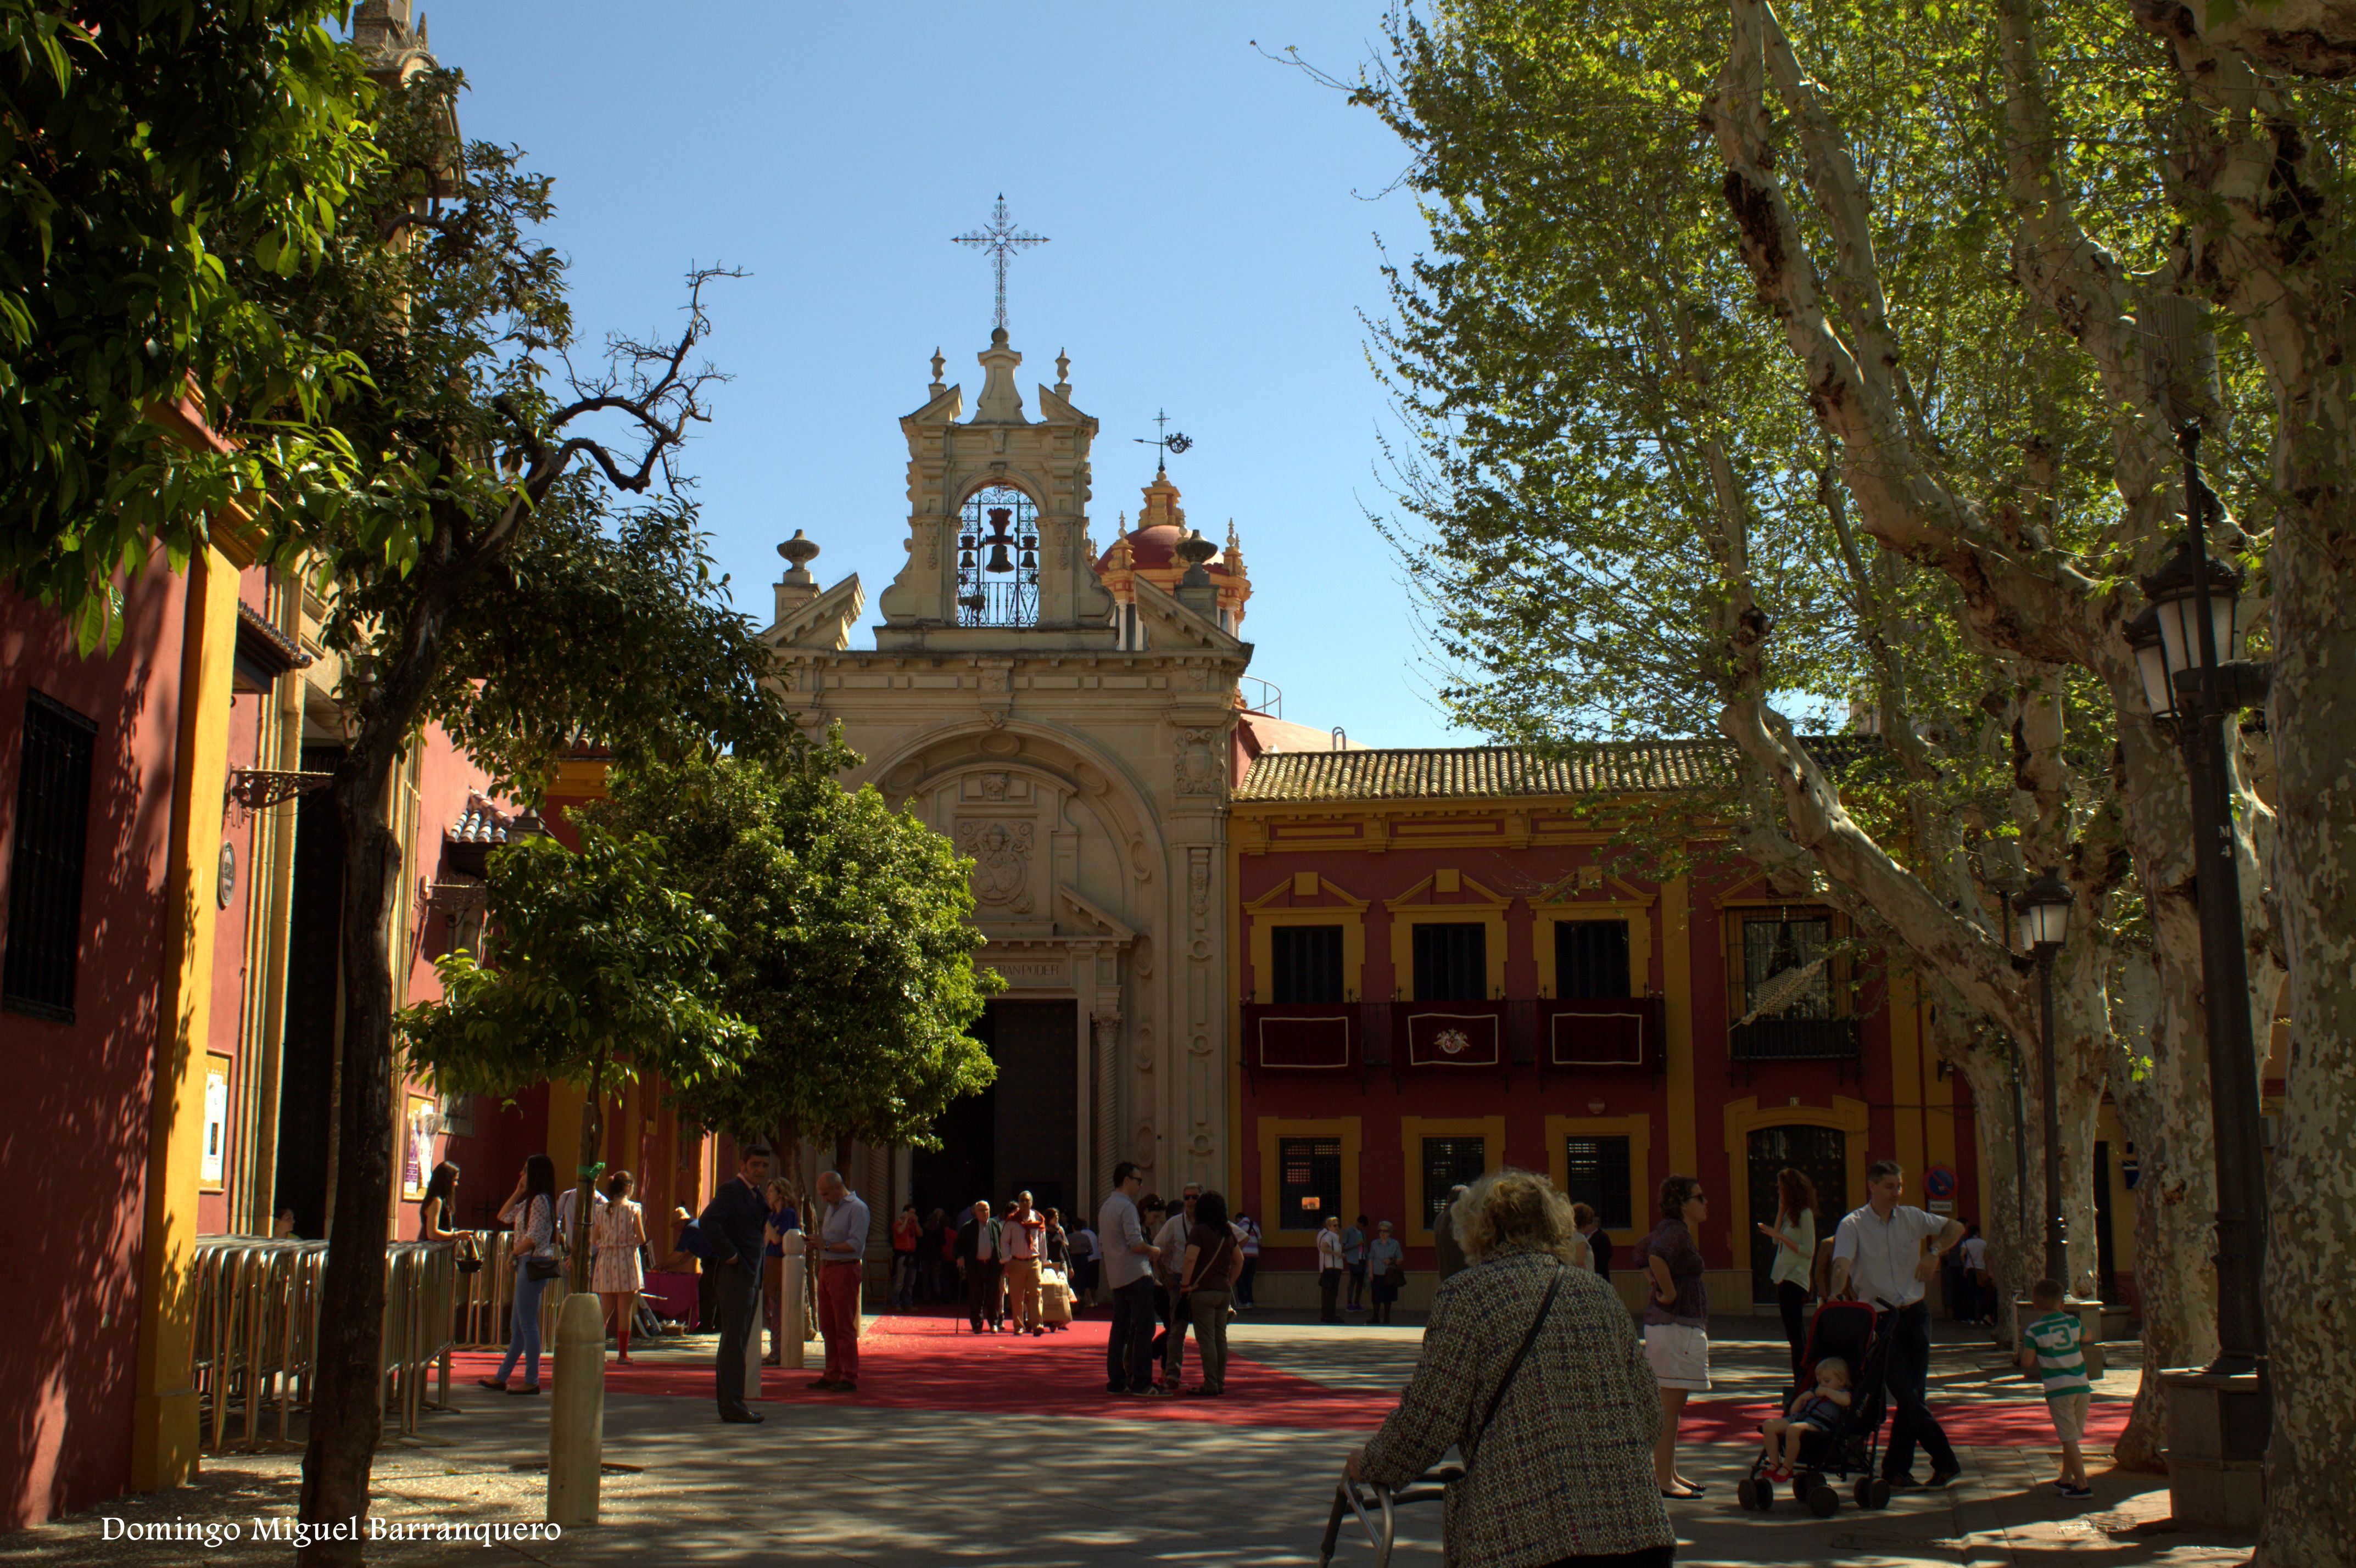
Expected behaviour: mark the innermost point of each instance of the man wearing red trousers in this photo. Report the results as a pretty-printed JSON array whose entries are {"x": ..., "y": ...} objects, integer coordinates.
[{"x": 843, "y": 1244}]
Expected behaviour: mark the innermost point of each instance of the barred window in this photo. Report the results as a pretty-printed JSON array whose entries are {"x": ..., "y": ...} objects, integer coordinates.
[
  {"x": 1597, "y": 1175},
  {"x": 1786, "y": 969},
  {"x": 1307, "y": 961},
  {"x": 1447, "y": 1163},
  {"x": 1590, "y": 958},
  {"x": 45, "y": 866},
  {"x": 1310, "y": 1173},
  {"x": 1451, "y": 962}
]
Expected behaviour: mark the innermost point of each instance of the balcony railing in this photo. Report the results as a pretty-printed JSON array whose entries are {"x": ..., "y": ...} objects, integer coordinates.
[{"x": 1794, "y": 1040}]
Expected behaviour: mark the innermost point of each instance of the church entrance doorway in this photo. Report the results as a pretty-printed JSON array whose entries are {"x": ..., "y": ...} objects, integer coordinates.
[
  {"x": 1019, "y": 1132},
  {"x": 1820, "y": 1153},
  {"x": 306, "y": 1086}
]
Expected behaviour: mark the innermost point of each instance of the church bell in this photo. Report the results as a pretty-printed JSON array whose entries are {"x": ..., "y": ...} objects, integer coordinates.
[{"x": 998, "y": 560}]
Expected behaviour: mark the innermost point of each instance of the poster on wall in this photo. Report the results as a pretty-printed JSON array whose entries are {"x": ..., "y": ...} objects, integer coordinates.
[
  {"x": 214, "y": 1155},
  {"x": 417, "y": 1154}
]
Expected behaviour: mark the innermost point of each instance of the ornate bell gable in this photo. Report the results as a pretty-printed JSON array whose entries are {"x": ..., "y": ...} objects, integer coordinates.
[{"x": 998, "y": 551}]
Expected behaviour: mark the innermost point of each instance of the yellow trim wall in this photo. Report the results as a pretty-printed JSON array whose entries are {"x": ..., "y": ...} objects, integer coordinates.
[
  {"x": 1413, "y": 1130},
  {"x": 1638, "y": 1131},
  {"x": 1272, "y": 1130},
  {"x": 164, "y": 1420}
]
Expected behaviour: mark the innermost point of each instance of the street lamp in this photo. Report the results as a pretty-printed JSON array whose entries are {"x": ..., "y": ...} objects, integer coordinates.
[
  {"x": 2185, "y": 645},
  {"x": 2044, "y": 907}
]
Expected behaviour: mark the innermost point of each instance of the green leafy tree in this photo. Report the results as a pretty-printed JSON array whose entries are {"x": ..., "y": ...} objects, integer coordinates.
[
  {"x": 852, "y": 951},
  {"x": 595, "y": 973},
  {"x": 1634, "y": 516},
  {"x": 167, "y": 167},
  {"x": 517, "y": 561}
]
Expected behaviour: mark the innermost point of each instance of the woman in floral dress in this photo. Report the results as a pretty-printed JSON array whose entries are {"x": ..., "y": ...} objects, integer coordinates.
[{"x": 616, "y": 1273}]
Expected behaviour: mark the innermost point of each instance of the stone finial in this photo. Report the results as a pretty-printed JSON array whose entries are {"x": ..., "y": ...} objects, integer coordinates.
[
  {"x": 999, "y": 404},
  {"x": 1194, "y": 549},
  {"x": 799, "y": 551},
  {"x": 797, "y": 586},
  {"x": 939, "y": 362},
  {"x": 1062, "y": 374}
]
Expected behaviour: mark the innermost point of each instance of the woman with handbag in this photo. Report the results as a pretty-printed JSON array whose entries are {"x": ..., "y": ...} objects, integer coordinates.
[
  {"x": 1207, "y": 1279},
  {"x": 617, "y": 1273},
  {"x": 1386, "y": 1268},
  {"x": 531, "y": 1209},
  {"x": 1532, "y": 1370}
]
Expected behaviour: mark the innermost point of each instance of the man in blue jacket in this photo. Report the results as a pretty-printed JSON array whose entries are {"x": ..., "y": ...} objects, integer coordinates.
[{"x": 733, "y": 1225}]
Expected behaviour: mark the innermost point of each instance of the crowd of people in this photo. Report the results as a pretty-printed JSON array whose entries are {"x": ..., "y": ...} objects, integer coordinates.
[{"x": 1507, "y": 1245}]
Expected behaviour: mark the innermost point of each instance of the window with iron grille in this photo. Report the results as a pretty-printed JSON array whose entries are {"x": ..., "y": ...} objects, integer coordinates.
[
  {"x": 1590, "y": 958},
  {"x": 1307, "y": 961},
  {"x": 1310, "y": 1171},
  {"x": 1596, "y": 1174},
  {"x": 1451, "y": 962},
  {"x": 45, "y": 866},
  {"x": 1786, "y": 967},
  {"x": 1447, "y": 1163}
]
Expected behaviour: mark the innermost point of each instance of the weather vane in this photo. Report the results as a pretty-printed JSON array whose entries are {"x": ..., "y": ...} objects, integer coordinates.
[
  {"x": 1001, "y": 238},
  {"x": 1169, "y": 443}
]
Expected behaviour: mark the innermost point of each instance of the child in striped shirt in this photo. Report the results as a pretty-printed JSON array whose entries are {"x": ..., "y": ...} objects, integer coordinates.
[{"x": 2050, "y": 1347}]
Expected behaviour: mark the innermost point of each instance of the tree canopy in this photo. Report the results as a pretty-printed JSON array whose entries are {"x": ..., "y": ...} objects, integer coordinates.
[
  {"x": 850, "y": 954},
  {"x": 593, "y": 973},
  {"x": 166, "y": 167}
]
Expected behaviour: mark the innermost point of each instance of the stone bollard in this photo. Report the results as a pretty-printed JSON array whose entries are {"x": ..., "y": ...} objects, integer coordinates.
[
  {"x": 790, "y": 1307},
  {"x": 576, "y": 1415}
]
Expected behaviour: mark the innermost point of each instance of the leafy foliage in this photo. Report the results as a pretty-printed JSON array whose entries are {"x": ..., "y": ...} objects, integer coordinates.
[
  {"x": 595, "y": 974},
  {"x": 850, "y": 951},
  {"x": 166, "y": 167}
]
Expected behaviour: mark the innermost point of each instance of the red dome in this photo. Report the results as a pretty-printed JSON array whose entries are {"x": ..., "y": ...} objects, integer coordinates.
[{"x": 1156, "y": 549}]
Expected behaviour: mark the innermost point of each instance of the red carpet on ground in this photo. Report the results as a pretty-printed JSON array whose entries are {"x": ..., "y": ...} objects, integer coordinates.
[{"x": 909, "y": 1362}]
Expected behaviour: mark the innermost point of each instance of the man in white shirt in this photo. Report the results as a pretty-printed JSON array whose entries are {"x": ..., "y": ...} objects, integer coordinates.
[
  {"x": 568, "y": 1203},
  {"x": 1129, "y": 1275},
  {"x": 843, "y": 1244},
  {"x": 1022, "y": 1231},
  {"x": 1884, "y": 1255}
]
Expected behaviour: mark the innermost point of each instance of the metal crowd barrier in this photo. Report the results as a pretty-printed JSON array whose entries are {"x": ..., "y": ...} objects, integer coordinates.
[{"x": 257, "y": 1332}]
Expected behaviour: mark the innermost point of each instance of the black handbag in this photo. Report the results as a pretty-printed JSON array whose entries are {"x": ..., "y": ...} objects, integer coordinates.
[{"x": 543, "y": 1268}]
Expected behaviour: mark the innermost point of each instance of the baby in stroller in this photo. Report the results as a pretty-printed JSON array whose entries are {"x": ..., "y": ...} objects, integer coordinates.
[{"x": 1809, "y": 1410}]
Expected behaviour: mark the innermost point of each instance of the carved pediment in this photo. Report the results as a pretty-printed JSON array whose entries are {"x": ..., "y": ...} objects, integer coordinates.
[
  {"x": 1090, "y": 920},
  {"x": 823, "y": 620},
  {"x": 1175, "y": 625}
]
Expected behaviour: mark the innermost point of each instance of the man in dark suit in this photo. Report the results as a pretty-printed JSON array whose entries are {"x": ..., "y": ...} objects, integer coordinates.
[
  {"x": 734, "y": 1224},
  {"x": 982, "y": 1262}
]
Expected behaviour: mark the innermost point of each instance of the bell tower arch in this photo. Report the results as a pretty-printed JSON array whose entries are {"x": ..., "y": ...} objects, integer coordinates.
[{"x": 979, "y": 579}]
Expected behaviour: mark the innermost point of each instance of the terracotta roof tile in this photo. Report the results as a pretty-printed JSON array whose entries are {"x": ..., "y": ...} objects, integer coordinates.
[{"x": 1480, "y": 772}]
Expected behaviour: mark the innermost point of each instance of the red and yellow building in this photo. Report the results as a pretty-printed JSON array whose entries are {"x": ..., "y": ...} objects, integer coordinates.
[{"x": 1442, "y": 965}]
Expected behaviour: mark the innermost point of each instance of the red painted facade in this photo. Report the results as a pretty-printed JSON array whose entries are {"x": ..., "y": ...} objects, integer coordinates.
[
  {"x": 1516, "y": 867},
  {"x": 74, "y": 1154}
]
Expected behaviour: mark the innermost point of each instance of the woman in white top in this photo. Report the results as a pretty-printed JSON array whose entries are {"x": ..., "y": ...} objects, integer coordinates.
[
  {"x": 1329, "y": 1269},
  {"x": 1794, "y": 1235},
  {"x": 531, "y": 1209},
  {"x": 618, "y": 1231}
]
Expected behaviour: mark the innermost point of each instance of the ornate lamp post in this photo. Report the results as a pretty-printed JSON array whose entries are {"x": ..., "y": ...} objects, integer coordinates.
[
  {"x": 2044, "y": 909},
  {"x": 2186, "y": 645}
]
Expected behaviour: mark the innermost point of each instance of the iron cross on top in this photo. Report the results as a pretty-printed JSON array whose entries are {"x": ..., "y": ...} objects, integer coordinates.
[{"x": 1000, "y": 238}]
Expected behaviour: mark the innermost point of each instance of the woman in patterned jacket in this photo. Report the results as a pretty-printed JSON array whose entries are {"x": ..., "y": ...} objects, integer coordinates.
[{"x": 1562, "y": 1476}]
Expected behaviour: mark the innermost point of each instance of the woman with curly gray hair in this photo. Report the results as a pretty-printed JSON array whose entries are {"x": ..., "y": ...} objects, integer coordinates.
[{"x": 1532, "y": 1370}]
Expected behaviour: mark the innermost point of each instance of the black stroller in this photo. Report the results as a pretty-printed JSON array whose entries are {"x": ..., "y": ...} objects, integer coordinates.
[{"x": 1846, "y": 1330}]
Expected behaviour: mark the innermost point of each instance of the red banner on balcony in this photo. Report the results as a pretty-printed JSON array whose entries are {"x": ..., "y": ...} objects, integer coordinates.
[
  {"x": 1615, "y": 1032},
  {"x": 1292, "y": 1038},
  {"x": 1453, "y": 1035}
]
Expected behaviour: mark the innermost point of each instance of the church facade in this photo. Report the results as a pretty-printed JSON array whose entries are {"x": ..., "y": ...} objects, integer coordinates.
[{"x": 1069, "y": 720}]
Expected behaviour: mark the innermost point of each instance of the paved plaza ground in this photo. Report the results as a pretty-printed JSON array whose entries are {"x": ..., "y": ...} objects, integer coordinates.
[{"x": 1008, "y": 1451}]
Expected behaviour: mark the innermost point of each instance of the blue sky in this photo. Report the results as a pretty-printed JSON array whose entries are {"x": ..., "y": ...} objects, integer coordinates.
[{"x": 1213, "y": 219}]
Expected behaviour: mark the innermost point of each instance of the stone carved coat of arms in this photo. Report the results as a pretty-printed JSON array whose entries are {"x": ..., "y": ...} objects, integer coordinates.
[{"x": 1001, "y": 862}]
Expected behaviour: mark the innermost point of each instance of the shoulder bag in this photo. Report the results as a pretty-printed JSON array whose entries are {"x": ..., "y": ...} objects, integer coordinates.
[
  {"x": 1203, "y": 1266},
  {"x": 1472, "y": 1445}
]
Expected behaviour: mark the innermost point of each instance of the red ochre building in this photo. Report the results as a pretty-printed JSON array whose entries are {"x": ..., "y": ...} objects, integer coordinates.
[{"x": 1438, "y": 970}]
